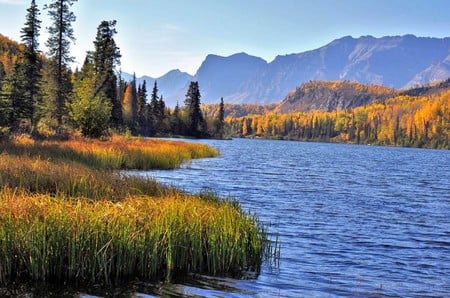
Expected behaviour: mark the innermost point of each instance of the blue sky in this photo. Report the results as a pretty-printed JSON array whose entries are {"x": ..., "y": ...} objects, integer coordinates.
[{"x": 156, "y": 36}]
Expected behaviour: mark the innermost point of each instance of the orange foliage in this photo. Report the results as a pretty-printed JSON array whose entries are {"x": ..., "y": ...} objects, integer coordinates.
[{"x": 403, "y": 120}]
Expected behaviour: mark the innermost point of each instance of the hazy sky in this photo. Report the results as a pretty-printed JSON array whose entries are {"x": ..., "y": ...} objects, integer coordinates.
[{"x": 156, "y": 36}]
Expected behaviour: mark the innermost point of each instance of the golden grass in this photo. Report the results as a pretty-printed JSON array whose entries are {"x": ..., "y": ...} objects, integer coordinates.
[
  {"x": 50, "y": 239},
  {"x": 118, "y": 153},
  {"x": 65, "y": 217}
]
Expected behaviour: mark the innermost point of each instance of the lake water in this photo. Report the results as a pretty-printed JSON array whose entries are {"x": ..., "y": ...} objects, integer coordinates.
[{"x": 353, "y": 221}]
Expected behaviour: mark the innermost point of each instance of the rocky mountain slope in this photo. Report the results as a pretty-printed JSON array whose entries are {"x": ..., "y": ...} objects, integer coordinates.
[{"x": 391, "y": 61}]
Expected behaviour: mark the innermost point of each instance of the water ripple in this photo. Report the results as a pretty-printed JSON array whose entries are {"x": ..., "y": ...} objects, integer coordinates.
[{"x": 353, "y": 221}]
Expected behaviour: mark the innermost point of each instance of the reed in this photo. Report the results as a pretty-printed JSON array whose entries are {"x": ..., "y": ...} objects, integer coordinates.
[
  {"x": 67, "y": 216},
  {"x": 70, "y": 179},
  {"x": 44, "y": 238}
]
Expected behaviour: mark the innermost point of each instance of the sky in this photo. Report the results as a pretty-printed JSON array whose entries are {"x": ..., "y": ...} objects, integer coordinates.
[{"x": 156, "y": 36}]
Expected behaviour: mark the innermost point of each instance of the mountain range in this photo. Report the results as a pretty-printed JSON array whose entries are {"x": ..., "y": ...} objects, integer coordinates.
[{"x": 391, "y": 61}]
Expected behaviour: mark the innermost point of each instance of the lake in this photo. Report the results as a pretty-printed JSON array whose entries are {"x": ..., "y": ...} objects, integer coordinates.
[{"x": 353, "y": 220}]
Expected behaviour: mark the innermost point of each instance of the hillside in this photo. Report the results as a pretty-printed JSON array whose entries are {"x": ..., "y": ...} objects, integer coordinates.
[
  {"x": 332, "y": 95},
  {"x": 9, "y": 51},
  {"x": 402, "y": 120}
]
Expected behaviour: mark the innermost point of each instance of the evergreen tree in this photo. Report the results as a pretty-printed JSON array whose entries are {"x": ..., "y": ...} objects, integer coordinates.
[
  {"x": 176, "y": 124},
  {"x": 154, "y": 100},
  {"x": 14, "y": 105},
  {"x": 61, "y": 34},
  {"x": 32, "y": 61},
  {"x": 106, "y": 57},
  {"x": 152, "y": 111},
  {"x": 195, "y": 122},
  {"x": 117, "y": 108},
  {"x": 142, "y": 109},
  {"x": 219, "y": 123}
]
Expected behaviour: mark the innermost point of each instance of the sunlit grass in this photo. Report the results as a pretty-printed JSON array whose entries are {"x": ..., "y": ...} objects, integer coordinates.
[
  {"x": 67, "y": 216},
  {"x": 118, "y": 153},
  {"x": 50, "y": 239}
]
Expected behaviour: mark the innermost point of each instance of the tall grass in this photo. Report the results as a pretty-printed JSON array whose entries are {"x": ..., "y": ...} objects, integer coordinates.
[
  {"x": 50, "y": 239},
  {"x": 65, "y": 216},
  {"x": 70, "y": 179},
  {"x": 118, "y": 153}
]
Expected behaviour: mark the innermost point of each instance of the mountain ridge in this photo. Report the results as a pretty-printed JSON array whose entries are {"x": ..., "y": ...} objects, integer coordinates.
[{"x": 391, "y": 61}]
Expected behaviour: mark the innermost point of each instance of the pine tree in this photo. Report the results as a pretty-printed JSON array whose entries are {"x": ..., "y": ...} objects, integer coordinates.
[
  {"x": 176, "y": 126},
  {"x": 142, "y": 109},
  {"x": 106, "y": 57},
  {"x": 14, "y": 105},
  {"x": 32, "y": 61},
  {"x": 152, "y": 110},
  {"x": 61, "y": 35},
  {"x": 195, "y": 122},
  {"x": 219, "y": 123}
]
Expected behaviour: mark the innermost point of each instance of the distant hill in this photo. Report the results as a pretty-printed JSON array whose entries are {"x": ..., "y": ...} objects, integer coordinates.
[{"x": 332, "y": 95}]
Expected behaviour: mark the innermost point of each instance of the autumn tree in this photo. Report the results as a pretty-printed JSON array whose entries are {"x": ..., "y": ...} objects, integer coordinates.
[
  {"x": 60, "y": 36},
  {"x": 130, "y": 105}
]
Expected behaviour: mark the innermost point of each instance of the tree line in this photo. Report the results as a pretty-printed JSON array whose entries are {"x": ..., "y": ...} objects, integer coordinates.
[
  {"x": 40, "y": 94},
  {"x": 417, "y": 121}
]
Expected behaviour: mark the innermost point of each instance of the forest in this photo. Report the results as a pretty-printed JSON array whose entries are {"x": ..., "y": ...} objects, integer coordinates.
[
  {"x": 41, "y": 95},
  {"x": 404, "y": 120}
]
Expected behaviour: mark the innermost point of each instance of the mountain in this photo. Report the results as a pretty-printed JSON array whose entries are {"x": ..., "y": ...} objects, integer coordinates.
[
  {"x": 168, "y": 85},
  {"x": 225, "y": 76},
  {"x": 390, "y": 61},
  {"x": 332, "y": 95},
  {"x": 397, "y": 62}
]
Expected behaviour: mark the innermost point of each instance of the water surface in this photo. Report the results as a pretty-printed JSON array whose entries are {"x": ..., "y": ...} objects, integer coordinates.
[{"x": 353, "y": 220}]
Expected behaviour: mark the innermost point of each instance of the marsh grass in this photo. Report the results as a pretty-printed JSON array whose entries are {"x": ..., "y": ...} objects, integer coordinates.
[
  {"x": 119, "y": 153},
  {"x": 67, "y": 216}
]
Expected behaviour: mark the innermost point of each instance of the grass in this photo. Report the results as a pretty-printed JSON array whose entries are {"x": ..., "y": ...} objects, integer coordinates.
[
  {"x": 118, "y": 153},
  {"x": 67, "y": 216}
]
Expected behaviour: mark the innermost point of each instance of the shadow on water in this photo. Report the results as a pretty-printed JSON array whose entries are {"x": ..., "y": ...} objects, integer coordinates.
[{"x": 193, "y": 285}]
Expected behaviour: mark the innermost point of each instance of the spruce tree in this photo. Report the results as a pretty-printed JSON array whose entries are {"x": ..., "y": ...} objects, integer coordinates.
[
  {"x": 176, "y": 124},
  {"x": 32, "y": 61},
  {"x": 14, "y": 102},
  {"x": 195, "y": 122},
  {"x": 142, "y": 109},
  {"x": 61, "y": 35},
  {"x": 152, "y": 112},
  {"x": 106, "y": 57},
  {"x": 220, "y": 121}
]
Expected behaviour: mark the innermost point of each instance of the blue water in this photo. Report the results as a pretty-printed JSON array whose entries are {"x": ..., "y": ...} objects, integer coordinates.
[{"x": 353, "y": 221}]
